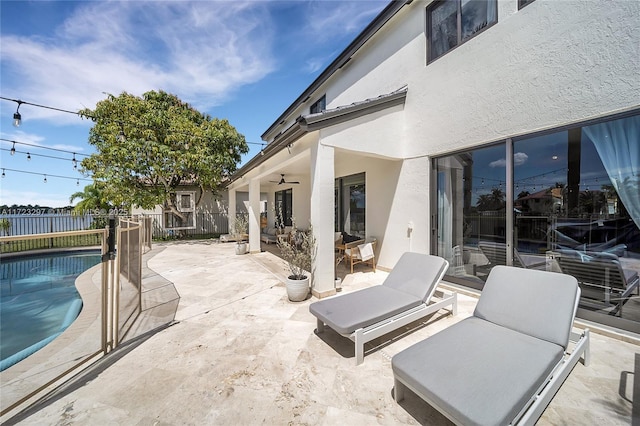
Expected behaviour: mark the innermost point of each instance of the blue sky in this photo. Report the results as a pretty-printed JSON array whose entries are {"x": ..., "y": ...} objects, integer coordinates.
[{"x": 239, "y": 60}]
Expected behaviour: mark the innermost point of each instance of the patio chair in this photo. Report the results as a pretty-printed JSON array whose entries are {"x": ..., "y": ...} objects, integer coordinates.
[
  {"x": 504, "y": 364},
  {"x": 361, "y": 251},
  {"x": 601, "y": 276},
  {"x": 497, "y": 255},
  {"x": 404, "y": 296}
]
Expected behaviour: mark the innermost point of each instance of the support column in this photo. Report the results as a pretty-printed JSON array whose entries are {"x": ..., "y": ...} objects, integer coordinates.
[
  {"x": 231, "y": 212},
  {"x": 322, "y": 218},
  {"x": 254, "y": 216}
]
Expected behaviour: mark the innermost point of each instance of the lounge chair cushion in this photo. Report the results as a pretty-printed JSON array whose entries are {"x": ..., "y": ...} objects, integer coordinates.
[
  {"x": 348, "y": 312},
  {"x": 490, "y": 373},
  {"x": 538, "y": 303},
  {"x": 413, "y": 274}
]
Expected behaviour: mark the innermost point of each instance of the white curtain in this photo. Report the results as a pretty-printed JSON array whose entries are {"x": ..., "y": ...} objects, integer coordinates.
[
  {"x": 445, "y": 216},
  {"x": 618, "y": 145}
]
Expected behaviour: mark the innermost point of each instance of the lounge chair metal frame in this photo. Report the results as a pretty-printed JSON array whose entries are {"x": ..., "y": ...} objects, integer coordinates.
[
  {"x": 578, "y": 347},
  {"x": 605, "y": 277},
  {"x": 422, "y": 305},
  {"x": 530, "y": 414},
  {"x": 367, "y": 334},
  {"x": 497, "y": 255}
]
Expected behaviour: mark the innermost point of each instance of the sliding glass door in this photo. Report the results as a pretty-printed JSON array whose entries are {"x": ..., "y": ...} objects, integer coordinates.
[
  {"x": 574, "y": 208},
  {"x": 350, "y": 194}
]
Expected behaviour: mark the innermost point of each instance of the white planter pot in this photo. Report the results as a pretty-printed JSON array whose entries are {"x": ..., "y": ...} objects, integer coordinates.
[
  {"x": 297, "y": 290},
  {"x": 338, "y": 284},
  {"x": 241, "y": 248}
]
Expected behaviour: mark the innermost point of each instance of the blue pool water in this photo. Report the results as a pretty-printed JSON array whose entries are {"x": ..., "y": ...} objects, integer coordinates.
[{"x": 38, "y": 300}]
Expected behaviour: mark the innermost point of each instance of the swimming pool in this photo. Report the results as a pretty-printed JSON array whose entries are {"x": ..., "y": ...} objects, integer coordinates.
[{"x": 38, "y": 300}]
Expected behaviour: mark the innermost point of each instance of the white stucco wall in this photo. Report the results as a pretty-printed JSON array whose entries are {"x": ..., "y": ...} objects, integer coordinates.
[{"x": 549, "y": 64}]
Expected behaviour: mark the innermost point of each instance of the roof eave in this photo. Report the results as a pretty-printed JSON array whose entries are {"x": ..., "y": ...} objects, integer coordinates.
[{"x": 387, "y": 13}]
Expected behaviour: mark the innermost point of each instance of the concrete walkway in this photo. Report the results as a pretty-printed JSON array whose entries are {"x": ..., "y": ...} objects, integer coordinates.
[{"x": 240, "y": 353}]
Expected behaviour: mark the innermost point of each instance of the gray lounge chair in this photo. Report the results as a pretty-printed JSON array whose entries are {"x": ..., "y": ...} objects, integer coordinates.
[
  {"x": 497, "y": 255},
  {"x": 601, "y": 276},
  {"x": 404, "y": 297},
  {"x": 504, "y": 364}
]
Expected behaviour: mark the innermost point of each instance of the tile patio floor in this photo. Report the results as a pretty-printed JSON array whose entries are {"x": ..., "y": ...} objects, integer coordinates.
[{"x": 241, "y": 353}]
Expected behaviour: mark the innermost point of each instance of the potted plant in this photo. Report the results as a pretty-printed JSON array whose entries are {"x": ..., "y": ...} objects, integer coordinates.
[
  {"x": 240, "y": 228},
  {"x": 298, "y": 251}
]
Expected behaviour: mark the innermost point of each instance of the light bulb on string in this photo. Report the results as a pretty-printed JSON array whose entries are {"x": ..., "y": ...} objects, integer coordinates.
[
  {"x": 28, "y": 157},
  {"x": 77, "y": 182},
  {"x": 13, "y": 149},
  {"x": 17, "y": 118},
  {"x": 3, "y": 175},
  {"x": 74, "y": 161},
  {"x": 45, "y": 178}
]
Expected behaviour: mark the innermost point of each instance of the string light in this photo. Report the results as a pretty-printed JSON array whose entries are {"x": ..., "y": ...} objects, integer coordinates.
[
  {"x": 13, "y": 149},
  {"x": 122, "y": 123},
  {"x": 14, "y": 142},
  {"x": 40, "y": 155},
  {"x": 17, "y": 118},
  {"x": 3, "y": 175},
  {"x": 46, "y": 175}
]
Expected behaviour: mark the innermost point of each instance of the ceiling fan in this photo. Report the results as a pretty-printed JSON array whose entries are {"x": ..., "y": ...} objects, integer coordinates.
[{"x": 281, "y": 181}]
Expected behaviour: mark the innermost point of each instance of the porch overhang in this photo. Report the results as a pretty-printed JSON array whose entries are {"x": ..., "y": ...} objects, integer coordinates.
[{"x": 312, "y": 122}]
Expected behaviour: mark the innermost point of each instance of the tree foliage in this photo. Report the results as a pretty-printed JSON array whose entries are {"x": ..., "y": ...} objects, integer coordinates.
[
  {"x": 492, "y": 202},
  {"x": 148, "y": 146},
  {"x": 91, "y": 200}
]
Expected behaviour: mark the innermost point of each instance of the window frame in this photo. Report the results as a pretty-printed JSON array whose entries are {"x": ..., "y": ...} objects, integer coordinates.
[
  {"x": 431, "y": 7},
  {"x": 319, "y": 105},
  {"x": 624, "y": 323},
  {"x": 285, "y": 197},
  {"x": 523, "y": 3},
  {"x": 189, "y": 211}
]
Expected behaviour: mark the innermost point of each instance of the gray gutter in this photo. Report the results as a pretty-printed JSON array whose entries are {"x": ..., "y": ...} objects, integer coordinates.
[
  {"x": 338, "y": 115},
  {"x": 312, "y": 122},
  {"x": 371, "y": 29}
]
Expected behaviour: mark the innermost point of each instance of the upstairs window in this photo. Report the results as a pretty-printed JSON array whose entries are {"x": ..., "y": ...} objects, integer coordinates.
[
  {"x": 319, "y": 106},
  {"x": 523, "y": 3},
  {"x": 452, "y": 22}
]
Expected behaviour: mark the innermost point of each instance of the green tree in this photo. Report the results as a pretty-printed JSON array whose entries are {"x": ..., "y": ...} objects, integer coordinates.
[
  {"x": 491, "y": 202},
  {"x": 91, "y": 200},
  {"x": 148, "y": 146}
]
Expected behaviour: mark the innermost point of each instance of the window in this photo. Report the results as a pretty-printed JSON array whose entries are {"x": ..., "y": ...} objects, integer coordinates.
[
  {"x": 319, "y": 106},
  {"x": 350, "y": 193},
  {"x": 523, "y": 3},
  {"x": 284, "y": 203},
  {"x": 186, "y": 216},
  {"x": 572, "y": 206},
  {"x": 452, "y": 22}
]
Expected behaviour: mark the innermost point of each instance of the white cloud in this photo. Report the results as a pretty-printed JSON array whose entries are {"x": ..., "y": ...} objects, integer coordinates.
[
  {"x": 519, "y": 158},
  {"x": 201, "y": 51},
  {"x": 328, "y": 18}
]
